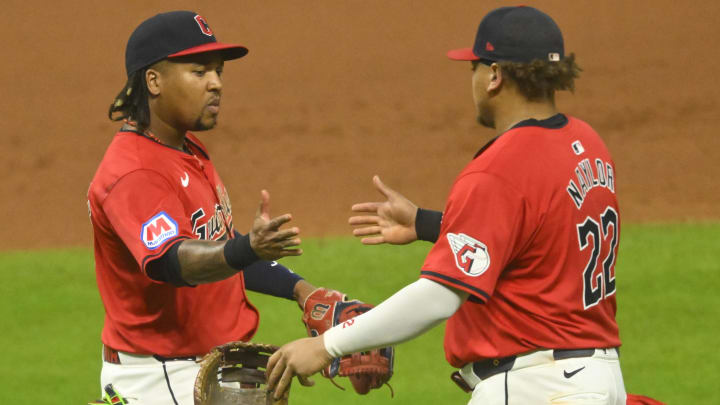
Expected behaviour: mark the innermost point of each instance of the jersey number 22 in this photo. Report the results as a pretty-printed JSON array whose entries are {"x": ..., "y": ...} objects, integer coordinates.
[{"x": 599, "y": 284}]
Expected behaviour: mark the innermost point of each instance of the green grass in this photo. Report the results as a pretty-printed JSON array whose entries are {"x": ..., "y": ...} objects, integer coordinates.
[{"x": 668, "y": 310}]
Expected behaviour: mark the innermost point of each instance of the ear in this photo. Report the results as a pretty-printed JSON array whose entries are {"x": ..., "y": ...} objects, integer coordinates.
[
  {"x": 496, "y": 79},
  {"x": 152, "y": 78}
]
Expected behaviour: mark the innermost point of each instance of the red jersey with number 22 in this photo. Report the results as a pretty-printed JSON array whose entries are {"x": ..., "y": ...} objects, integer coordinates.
[
  {"x": 531, "y": 230},
  {"x": 144, "y": 198}
]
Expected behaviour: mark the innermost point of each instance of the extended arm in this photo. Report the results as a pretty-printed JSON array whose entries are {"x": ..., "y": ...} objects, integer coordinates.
[
  {"x": 193, "y": 262},
  {"x": 261, "y": 276},
  {"x": 407, "y": 314}
]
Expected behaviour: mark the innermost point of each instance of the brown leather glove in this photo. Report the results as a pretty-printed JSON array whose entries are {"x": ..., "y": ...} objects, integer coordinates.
[
  {"x": 240, "y": 366},
  {"x": 324, "y": 309}
]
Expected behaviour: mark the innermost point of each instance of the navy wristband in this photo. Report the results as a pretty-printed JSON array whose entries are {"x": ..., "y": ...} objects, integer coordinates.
[
  {"x": 427, "y": 224},
  {"x": 271, "y": 278},
  {"x": 238, "y": 252}
]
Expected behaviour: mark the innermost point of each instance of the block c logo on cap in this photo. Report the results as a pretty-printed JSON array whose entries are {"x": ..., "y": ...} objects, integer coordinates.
[
  {"x": 204, "y": 27},
  {"x": 158, "y": 229}
]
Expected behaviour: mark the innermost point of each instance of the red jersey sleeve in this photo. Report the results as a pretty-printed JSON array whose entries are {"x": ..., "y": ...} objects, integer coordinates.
[
  {"x": 481, "y": 227},
  {"x": 145, "y": 212}
]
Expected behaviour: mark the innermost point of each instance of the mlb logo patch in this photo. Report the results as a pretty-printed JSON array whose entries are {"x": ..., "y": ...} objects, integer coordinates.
[
  {"x": 158, "y": 229},
  {"x": 578, "y": 148},
  {"x": 471, "y": 255}
]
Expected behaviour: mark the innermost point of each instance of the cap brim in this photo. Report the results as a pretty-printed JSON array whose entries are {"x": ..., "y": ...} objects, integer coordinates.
[
  {"x": 229, "y": 51},
  {"x": 462, "y": 54}
]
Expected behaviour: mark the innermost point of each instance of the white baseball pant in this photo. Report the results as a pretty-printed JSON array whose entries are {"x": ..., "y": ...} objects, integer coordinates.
[
  {"x": 144, "y": 380},
  {"x": 537, "y": 378}
]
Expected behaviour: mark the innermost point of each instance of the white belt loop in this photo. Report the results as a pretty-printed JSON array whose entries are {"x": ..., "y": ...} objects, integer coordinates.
[
  {"x": 533, "y": 359},
  {"x": 470, "y": 378},
  {"x": 607, "y": 354}
]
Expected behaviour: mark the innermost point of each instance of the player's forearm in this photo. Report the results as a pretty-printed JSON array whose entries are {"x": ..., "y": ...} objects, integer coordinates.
[
  {"x": 408, "y": 313},
  {"x": 203, "y": 261},
  {"x": 301, "y": 291}
]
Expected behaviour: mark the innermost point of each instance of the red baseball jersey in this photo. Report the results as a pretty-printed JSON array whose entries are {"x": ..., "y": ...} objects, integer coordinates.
[
  {"x": 531, "y": 230},
  {"x": 144, "y": 198}
]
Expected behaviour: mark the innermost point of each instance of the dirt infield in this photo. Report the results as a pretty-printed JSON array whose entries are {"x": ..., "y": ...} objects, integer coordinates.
[{"x": 334, "y": 92}]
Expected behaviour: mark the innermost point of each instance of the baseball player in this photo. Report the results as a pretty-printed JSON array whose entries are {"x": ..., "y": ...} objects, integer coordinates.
[
  {"x": 523, "y": 261},
  {"x": 168, "y": 258}
]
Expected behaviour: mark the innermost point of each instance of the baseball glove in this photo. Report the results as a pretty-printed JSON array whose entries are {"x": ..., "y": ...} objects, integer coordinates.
[
  {"x": 234, "y": 374},
  {"x": 324, "y": 309}
]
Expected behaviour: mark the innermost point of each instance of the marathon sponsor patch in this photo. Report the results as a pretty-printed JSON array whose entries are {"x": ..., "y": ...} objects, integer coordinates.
[
  {"x": 158, "y": 229},
  {"x": 471, "y": 255}
]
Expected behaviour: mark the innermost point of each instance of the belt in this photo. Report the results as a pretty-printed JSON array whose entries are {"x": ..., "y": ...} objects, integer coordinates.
[
  {"x": 472, "y": 373},
  {"x": 113, "y": 356}
]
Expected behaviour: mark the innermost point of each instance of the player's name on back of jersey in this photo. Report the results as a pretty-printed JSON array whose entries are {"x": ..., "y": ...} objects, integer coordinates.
[{"x": 588, "y": 177}]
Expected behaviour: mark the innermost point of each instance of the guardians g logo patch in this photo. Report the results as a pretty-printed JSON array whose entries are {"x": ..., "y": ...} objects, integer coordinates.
[
  {"x": 471, "y": 255},
  {"x": 158, "y": 229}
]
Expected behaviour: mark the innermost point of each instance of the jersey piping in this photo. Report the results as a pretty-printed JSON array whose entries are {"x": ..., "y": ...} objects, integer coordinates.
[{"x": 482, "y": 295}]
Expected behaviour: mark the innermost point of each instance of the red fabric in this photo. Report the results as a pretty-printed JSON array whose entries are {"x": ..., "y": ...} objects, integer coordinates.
[
  {"x": 144, "y": 198},
  {"x": 633, "y": 399},
  {"x": 510, "y": 237},
  {"x": 462, "y": 54},
  {"x": 238, "y": 50}
]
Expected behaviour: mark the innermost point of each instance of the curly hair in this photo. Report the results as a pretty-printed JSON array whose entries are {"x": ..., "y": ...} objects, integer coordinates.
[
  {"x": 132, "y": 102},
  {"x": 540, "y": 79}
]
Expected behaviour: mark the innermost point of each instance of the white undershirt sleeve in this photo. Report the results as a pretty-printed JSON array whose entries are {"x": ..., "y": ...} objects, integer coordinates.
[{"x": 407, "y": 314}]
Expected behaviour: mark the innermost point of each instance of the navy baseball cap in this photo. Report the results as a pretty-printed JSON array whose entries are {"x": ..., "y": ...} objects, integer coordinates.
[
  {"x": 515, "y": 34},
  {"x": 173, "y": 34}
]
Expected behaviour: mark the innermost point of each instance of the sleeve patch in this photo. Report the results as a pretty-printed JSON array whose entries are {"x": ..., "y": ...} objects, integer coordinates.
[
  {"x": 471, "y": 255},
  {"x": 158, "y": 229}
]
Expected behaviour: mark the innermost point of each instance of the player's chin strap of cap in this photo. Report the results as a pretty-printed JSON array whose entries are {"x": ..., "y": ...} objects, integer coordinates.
[{"x": 472, "y": 373}]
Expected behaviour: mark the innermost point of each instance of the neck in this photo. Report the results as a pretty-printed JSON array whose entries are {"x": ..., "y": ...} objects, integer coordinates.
[
  {"x": 518, "y": 110},
  {"x": 172, "y": 137},
  {"x": 165, "y": 133}
]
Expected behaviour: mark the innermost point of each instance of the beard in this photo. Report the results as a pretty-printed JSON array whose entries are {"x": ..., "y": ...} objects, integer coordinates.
[{"x": 201, "y": 125}]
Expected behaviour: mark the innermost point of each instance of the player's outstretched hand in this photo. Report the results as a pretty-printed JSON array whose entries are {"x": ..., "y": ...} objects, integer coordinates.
[
  {"x": 267, "y": 239},
  {"x": 391, "y": 221},
  {"x": 302, "y": 358}
]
